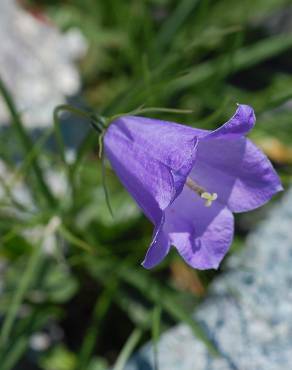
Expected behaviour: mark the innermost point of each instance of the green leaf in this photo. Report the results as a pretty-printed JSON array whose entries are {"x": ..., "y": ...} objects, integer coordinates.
[
  {"x": 128, "y": 349},
  {"x": 156, "y": 333},
  {"x": 161, "y": 295},
  {"x": 26, "y": 143},
  {"x": 60, "y": 358},
  {"x": 24, "y": 284}
]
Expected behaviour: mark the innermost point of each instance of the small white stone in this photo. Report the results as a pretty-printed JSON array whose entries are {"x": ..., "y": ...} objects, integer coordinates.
[{"x": 39, "y": 341}]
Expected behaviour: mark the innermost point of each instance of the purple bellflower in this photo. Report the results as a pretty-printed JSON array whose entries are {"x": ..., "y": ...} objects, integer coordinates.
[{"x": 188, "y": 181}]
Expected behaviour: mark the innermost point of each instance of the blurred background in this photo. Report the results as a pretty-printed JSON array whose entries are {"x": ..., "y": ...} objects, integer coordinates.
[{"x": 72, "y": 292}]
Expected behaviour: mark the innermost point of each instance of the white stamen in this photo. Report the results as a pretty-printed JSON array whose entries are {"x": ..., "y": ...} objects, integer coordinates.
[
  {"x": 201, "y": 192},
  {"x": 209, "y": 198}
]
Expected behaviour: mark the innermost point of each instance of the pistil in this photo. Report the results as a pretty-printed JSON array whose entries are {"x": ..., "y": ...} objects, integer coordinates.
[{"x": 201, "y": 192}]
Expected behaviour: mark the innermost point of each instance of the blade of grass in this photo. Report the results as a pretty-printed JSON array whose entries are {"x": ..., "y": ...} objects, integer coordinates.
[
  {"x": 243, "y": 58},
  {"x": 174, "y": 22},
  {"x": 154, "y": 291},
  {"x": 22, "y": 288},
  {"x": 156, "y": 316},
  {"x": 26, "y": 143},
  {"x": 31, "y": 156},
  {"x": 24, "y": 328},
  {"x": 15, "y": 352},
  {"x": 86, "y": 145},
  {"x": 128, "y": 349},
  {"x": 27, "y": 277},
  {"x": 10, "y": 196},
  {"x": 20, "y": 171},
  {"x": 99, "y": 312},
  {"x": 73, "y": 239},
  {"x": 70, "y": 168},
  {"x": 104, "y": 186}
]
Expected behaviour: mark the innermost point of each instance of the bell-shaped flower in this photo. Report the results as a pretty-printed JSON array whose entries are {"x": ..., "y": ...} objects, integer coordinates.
[{"x": 189, "y": 181}]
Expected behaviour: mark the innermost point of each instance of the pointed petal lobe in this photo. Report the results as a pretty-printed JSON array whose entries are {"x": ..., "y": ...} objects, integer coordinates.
[
  {"x": 239, "y": 124},
  {"x": 158, "y": 249},
  {"x": 202, "y": 235},
  {"x": 235, "y": 169}
]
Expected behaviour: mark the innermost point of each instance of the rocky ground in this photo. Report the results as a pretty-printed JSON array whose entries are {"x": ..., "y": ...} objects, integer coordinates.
[{"x": 248, "y": 313}]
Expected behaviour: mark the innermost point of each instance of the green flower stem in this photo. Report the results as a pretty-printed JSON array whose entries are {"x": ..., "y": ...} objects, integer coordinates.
[
  {"x": 96, "y": 121},
  {"x": 142, "y": 110}
]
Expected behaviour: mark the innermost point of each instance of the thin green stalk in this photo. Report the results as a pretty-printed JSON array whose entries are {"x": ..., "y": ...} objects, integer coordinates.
[
  {"x": 73, "y": 239},
  {"x": 142, "y": 110},
  {"x": 156, "y": 317},
  {"x": 58, "y": 134},
  {"x": 14, "y": 353},
  {"x": 96, "y": 122},
  {"x": 74, "y": 110},
  {"x": 10, "y": 196},
  {"x": 157, "y": 294},
  {"x": 31, "y": 156},
  {"x": 243, "y": 58},
  {"x": 104, "y": 185},
  {"x": 168, "y": 301},
  {"x": 22, "y": 288},
  {"x": 100, "y": 310},
  {"x": 71, "y": 109},
  {"x": 87, "y": 143},
  {"x": 128, "y": 349},
  {"x": 26, "y": 143},
  {"x": 174, "y": 22},
  {"x": 60, "y": 141}
]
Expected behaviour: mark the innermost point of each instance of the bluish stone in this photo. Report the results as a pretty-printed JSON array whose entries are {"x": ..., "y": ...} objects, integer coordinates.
[{"x": 248, "y": 312}]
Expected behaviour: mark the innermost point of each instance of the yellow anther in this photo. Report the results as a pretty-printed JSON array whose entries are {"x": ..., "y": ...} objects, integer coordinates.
[
  {"x": 191, "y": 184},
  {"x": 209, "y": 198}
]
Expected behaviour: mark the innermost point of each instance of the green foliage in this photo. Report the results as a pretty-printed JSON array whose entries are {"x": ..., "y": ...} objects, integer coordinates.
[{"x": 65, "y": 260}]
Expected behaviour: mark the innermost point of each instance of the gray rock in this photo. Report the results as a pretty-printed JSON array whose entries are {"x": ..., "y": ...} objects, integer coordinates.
[
  {"x": 37, "y": 64},
  {"x": 248, "y": 313}
]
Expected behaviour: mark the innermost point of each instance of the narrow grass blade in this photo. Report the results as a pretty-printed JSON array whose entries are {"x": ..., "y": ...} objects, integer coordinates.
[
  {"x": 22, "y": 288},
  {"x": 104, "y": 185},
  {"x": 31, "y": 156},
  {"x": 26, "y": 143},
  {"x": 156, "y": 317},
  {"x": 58, "y": 133},
  {"x": 73, "y": 239},
  {"x": 128, "y": 349},
  {"x": 243, "y": 58},
  {"x": 174, "y": 22},
  {"x": 15, "y": 352},
  {"x": 154, "y": 291},
  {"x": 100, "y": 310}
]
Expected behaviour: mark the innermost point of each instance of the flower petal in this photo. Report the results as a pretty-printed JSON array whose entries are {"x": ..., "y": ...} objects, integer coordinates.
[
  {"x": 168, "y": 142},
  {"x": 158, "y": 249},
  {"x": 148, "y": 181},
  {"x": 152, "y": 159},
  {"x": 239, "y": 124},
  {"x": 235, "y": 169},
  {"x": 202, "y": 235}
]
